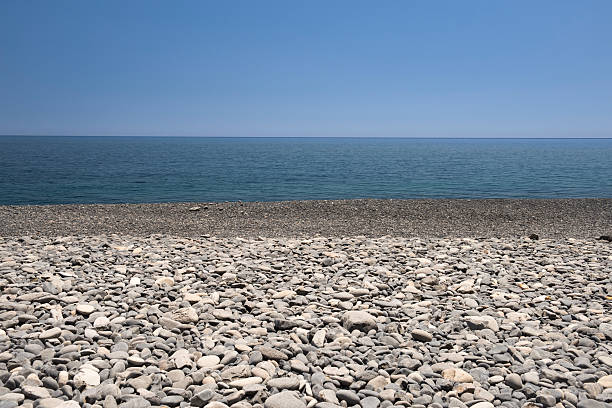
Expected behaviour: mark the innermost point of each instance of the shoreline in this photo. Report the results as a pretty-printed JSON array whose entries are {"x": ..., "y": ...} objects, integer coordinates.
[{"x": 426, "y": 218}]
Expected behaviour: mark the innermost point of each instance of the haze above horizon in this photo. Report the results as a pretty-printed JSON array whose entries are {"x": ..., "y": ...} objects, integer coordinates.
[{"x": 319, "y": 68}]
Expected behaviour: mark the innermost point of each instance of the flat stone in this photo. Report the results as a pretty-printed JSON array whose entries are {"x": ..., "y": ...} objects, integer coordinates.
[
  {"x": 101, "y": 321},
  {"x": 605, "y": 381},
  {"x": 69, "y": 404},
  {"x": 370, "y": 402},
  {"x": 319, "y": 338},
  {"x": 607, "y": 360},
  {"x": 546, "y": 400},
  {"x": 143, "y": 381},
  {"x": 328, "y": 395},
  {"x": 136, "y": 402},
  {"x": 208, "y": 361},
  {"x": 284, "y": 399},
  {"x": 358, "y": 320},
  {"x": 12, "y": 396},
  {"x": 421, "y": 335},
  {"x": 201, "y": 398},
  {"x": 272, "y": 354},
  {"x": 164, "y": 281},
  {"x": 50, "y": 333},
  {"x": 387, "y": 395},
  {"x": 349, "y": 396},
  {"x": 192, "y": 297},
  {"x": 591, "y": 403},
  {"x": 456, "y": 403},
  {"x": 284, "y": 383},
  {"x": 482, "y": 322},
  {"x": 532, "y": 377},
  {"x": 223, "y": 314},
  {"x": 88, "y": 378},
  {"x": 379, "y": 382},
  {"x": 253, "y": 388},
  {"x": 483, "y": 404},
  {"x": 170, "y": 324},
  {"x": 457, "y": 375},
  {"x": 283, "y": 294},
  {"x": 85, "y": 309},
  {"x": 243, "y": 382},
  {"x": 172, "y": 400},
  {"x": 481, "y": 393},
  {"x": 136, "y": 361},
  {"x": 184, "y": 315},
  {"x": 50, "y": 403},
  {"x": 182, "y": 358},
  {"x": 299, "y": 366},
  {"x": 35, "y": 392},
  {"x": 218, "y": 404}
]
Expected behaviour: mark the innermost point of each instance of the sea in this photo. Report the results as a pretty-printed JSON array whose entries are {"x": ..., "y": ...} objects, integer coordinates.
[{"x": 82, "y": 169}]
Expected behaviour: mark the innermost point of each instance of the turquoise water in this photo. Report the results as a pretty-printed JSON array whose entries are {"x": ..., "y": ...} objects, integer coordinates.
[{"x": 55, "y": 170}]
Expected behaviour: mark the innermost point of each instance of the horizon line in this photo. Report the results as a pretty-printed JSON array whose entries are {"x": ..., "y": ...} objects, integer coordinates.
[{"x": 311, "y": 137}]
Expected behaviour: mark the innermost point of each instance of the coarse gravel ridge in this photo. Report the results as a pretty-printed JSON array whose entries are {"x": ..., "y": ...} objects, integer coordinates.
[{"x": 548, "y": 218}]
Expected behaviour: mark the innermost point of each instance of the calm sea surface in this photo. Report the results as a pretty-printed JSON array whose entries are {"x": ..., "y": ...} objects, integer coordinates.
[{"x": 54, "y": 170}]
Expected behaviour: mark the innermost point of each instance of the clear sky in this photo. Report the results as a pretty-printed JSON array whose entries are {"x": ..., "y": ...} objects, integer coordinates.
[{"x": 534, "y": 68}]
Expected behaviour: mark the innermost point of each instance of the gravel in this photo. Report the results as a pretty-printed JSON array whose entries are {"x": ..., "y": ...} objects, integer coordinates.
[
  {"x": 151, "y": 321},
  {"x": 558, "y": 218}
]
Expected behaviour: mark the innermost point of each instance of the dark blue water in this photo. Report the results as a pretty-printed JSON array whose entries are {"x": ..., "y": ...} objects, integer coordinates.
[{"x": 53, "y": 170}]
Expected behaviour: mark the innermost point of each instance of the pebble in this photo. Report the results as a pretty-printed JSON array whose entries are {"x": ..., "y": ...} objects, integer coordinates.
[
  {"x": 272, "y": 354},
  {"x": 421, "y": 335},
  {"x": 482, "y": 404},
  {"x": 457, "y": 375},
  {"x": 35, "y": 392},
  {"x": 50, "y": 333},
  {"x": 208, "y": 361},
  {"x": 284, "y": 383},
  {"x": 605, "y": 381},
  {"x": 514, "y": 381},
  {"x": 358, "y": 320},
  {"x": 85, "y": 309},
  {"x": 284, "y": 399},
  {"x": 546, "y": 400},
  {"x": 350, "y": 397}
]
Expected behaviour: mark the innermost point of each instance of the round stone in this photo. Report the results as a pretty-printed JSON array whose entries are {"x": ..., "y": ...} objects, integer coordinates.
[
  {"x": 101, "y": 321},
  {"x": 208, "y": 361},
  {"x": 605, "y": 381},
  {"x": 85, "y": 309},
  {"x": 164, "y": 281}
]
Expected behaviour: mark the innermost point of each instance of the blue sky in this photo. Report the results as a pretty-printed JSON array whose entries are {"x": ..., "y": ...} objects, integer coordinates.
[{"x": 307, "y": 68}]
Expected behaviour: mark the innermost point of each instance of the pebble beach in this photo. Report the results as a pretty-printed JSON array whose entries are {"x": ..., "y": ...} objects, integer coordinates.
[{"x": 366, "y": 303}]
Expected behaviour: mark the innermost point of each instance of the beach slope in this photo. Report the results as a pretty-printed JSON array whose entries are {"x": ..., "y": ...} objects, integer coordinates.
[{"x": 551, "y": 218}]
